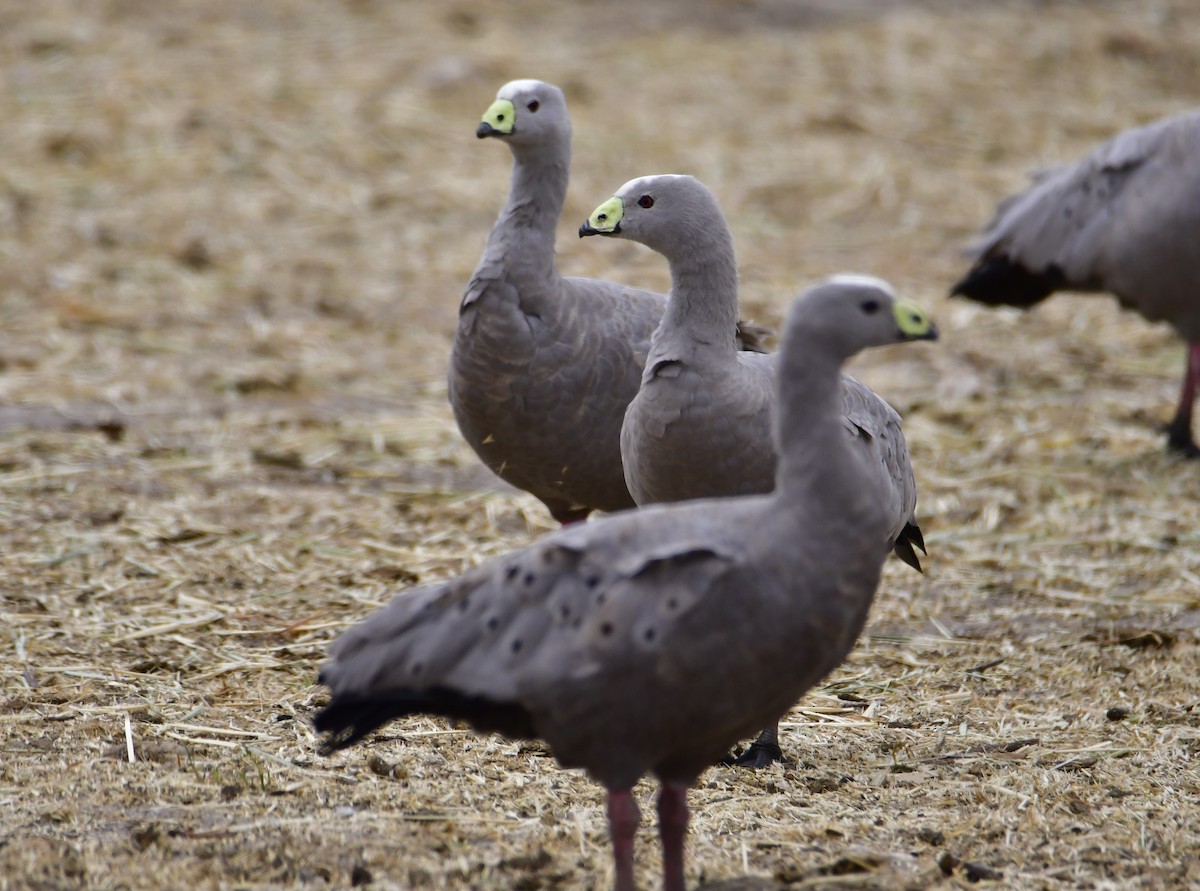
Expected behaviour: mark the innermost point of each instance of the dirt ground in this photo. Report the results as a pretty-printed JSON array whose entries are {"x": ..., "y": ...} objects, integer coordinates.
[{"x": 232, "y": 240}]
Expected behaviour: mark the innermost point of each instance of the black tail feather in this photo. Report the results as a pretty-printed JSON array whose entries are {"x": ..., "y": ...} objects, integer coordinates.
[
  {"x": 348, "y": 721},
  {"x": 349, "y": 718},
  {"x": 998, "y": 281},
  {"x": 907, "y": 541},
  {"x": 752, "y": 338}
]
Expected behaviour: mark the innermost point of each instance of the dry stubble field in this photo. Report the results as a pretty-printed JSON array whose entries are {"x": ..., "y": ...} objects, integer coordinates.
[{"x": 232, "y": 240}]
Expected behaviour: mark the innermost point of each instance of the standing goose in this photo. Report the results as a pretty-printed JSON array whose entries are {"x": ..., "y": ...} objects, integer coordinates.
[
  {"x": 543, "y": 366},
  {"x": 700, "y": 426},
  {"x": 1124, "y": 220},
  {"x": 650, "y": 641}
]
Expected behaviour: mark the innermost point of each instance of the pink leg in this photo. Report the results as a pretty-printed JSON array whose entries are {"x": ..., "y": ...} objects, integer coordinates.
[
  {"x": 1179, "y": 433},
  {"x": 623, "y": 819},
  {"x": 672, "y": 829}
]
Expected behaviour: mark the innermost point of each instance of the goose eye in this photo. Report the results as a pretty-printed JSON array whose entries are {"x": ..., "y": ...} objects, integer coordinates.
[
  {"x": 645, "y": 201},
  {"x": 533, "y": 105},
  {"x": 870, "y": 307}
]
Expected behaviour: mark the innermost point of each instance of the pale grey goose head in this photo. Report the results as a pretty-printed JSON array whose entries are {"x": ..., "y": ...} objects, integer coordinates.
[
  {"x": 854, "y": 312},
  {"x": 651, "y": 640},
  {"x": 636, "y": 209},
  {"x": 1125, "y": 219},
  {"x": 527, "y": 114}
]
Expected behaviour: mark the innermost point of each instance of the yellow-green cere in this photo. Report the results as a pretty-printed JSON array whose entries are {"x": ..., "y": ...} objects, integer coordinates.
[
  {"x": 500, "y": 116},
  {"x": 911, "y": 318},
  {"x": 607, "y": 216}
]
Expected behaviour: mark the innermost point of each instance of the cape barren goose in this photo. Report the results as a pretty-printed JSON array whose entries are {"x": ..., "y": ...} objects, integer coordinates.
[
  {"x": 651, "y": 640},
  {"x": 700, "y": 426},
  {"x": 1124, "y": 220},
  {"x": 543, "y": 366}
]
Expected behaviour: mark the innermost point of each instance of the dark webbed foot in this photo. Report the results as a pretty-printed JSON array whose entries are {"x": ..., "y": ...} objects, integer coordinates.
[
  {"x": 762, "y": 752},
  {"x": 1179, "y": 431},
  {"x": 1181, "y": 446},
  {"x": 1180, "y": 442},
  {"x": 758, "y": 754},
  {"x": 1183, "y": 450}
]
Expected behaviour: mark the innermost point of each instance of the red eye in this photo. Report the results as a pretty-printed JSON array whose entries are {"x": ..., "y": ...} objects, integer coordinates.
[
  {"x": 534, "y": 105},
  {"x": 645, "y": 201}
]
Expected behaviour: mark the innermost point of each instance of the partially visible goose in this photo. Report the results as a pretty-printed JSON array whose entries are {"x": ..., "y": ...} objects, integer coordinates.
[
  {"x": 650, "y": 641},
  {"x": 700, "y": 426},
  {"x": 543, "y": 366},
  {"x": 1126, "y": 220}
]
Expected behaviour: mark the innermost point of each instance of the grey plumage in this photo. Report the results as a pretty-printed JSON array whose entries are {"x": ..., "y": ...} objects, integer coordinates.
[
  {"x": 627, "y": 643},
  {"x": 700, "y": 425},
  {"x": 543, "y": 366},
  {"x": 1125, "y": 220}
]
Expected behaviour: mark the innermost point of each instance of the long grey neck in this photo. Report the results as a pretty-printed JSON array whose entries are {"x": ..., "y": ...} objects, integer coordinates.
[
  {"x": 525, "y": 230},
  {"x": 809, "y": 430},
  {"x": 703, "y": 304}
]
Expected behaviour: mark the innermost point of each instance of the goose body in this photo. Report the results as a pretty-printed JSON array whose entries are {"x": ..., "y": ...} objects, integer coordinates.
[
  {"x": 1125, "y": 220},
  {"x": 626, "y": 643},
  {"x": 700, "y": 425},
  {"x": 543, "y": 366}
]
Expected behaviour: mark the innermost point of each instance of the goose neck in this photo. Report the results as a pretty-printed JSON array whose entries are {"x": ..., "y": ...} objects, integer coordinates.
[
  {"x": 704, "y": 294},
  {"x": 536, "y": 194},
  {"x": 809, "y": 429}
]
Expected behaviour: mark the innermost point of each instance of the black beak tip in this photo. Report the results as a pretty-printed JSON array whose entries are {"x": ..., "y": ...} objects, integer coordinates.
[
  {"x": 484, "y": 130},
  {"x": 587, "y": 229},
  {"x": 931, "y": 334}
]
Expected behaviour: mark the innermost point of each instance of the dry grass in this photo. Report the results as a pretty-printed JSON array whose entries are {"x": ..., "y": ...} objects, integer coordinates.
[{"x": 232, "y": 238}]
